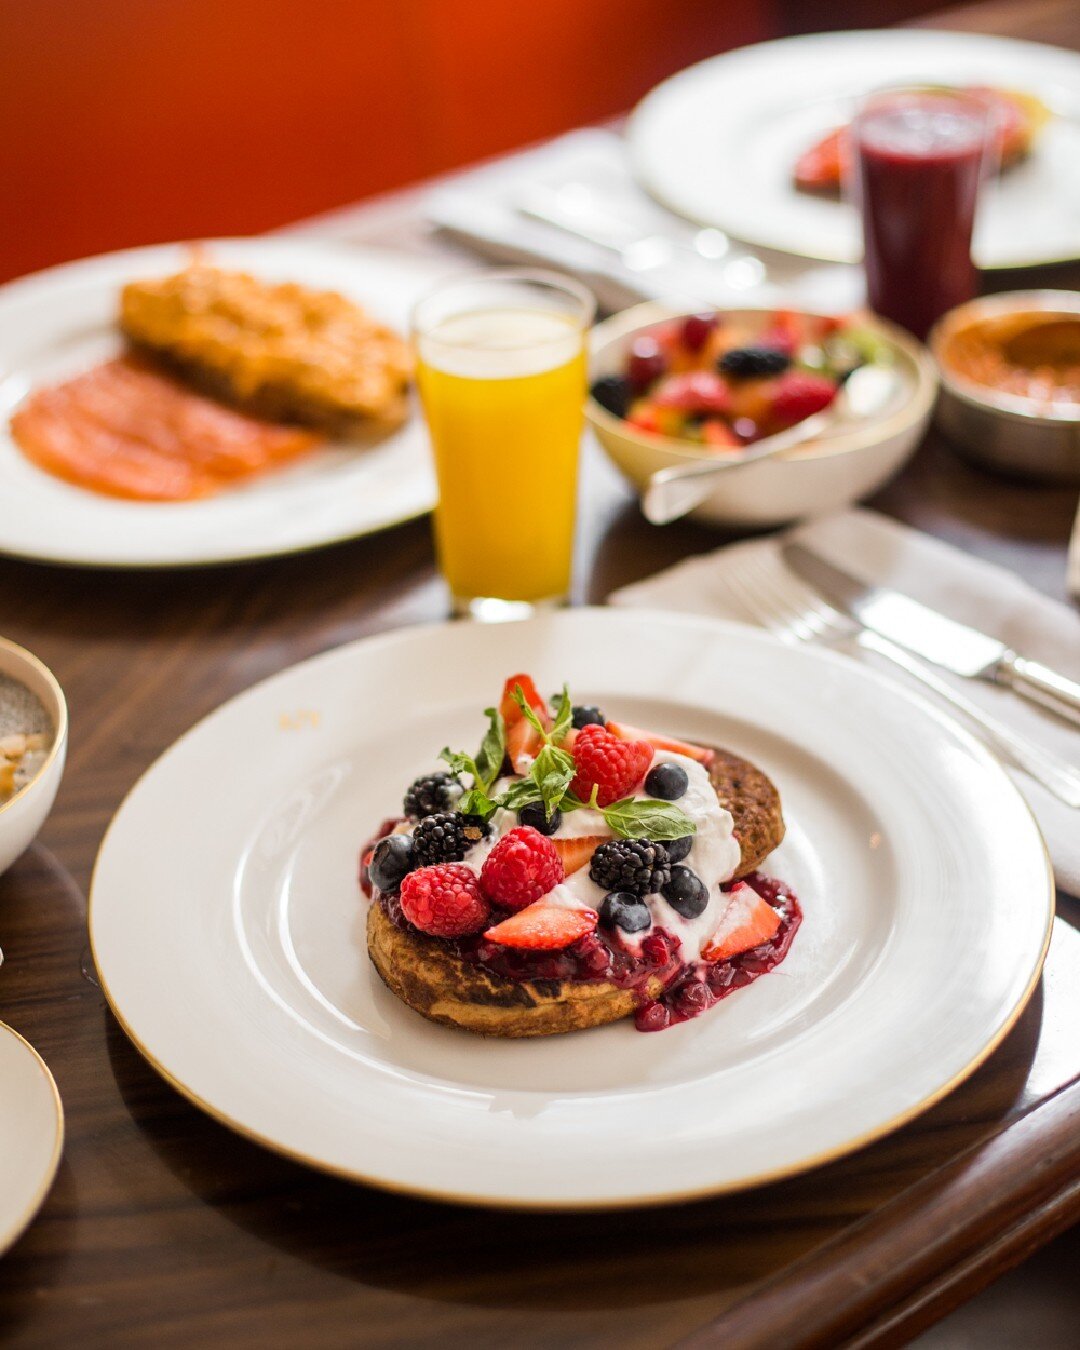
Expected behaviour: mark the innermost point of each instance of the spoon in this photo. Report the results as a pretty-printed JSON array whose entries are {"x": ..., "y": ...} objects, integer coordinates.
[{"x": 670, "y": 493}]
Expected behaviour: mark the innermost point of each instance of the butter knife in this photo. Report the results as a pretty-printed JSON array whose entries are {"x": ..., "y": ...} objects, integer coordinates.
[{"x": 942, "y": 641}]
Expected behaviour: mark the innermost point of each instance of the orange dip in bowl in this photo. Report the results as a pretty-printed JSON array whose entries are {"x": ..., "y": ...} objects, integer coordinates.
[{"x": 1031, "y": 354}]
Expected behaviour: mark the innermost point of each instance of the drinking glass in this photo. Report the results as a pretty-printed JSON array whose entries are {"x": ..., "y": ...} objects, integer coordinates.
[
  {"x": 501, "y": 369},
  {"x": 920, "y": 154}
]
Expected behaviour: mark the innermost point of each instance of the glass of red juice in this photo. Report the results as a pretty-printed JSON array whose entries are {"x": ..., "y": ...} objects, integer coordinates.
[{"x": 920, "y": 156}]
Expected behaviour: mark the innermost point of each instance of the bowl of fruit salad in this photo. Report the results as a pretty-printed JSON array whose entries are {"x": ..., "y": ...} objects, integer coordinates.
[{"x": 669, "y": 387}]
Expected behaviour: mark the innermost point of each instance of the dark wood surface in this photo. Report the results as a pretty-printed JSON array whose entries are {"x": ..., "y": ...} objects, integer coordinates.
[{"x": 164, "y": 1227}]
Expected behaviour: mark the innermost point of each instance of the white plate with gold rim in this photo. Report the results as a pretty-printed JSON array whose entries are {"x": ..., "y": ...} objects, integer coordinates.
[
  {"x": 228, "y": 929},
  {"x": 31, "y": 1134},
  {"x": 57, "y": 323},
  {"x": 718, "y": 142}
]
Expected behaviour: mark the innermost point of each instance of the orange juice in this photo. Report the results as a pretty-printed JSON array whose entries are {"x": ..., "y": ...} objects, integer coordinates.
[{"x": 503, "y": 390}]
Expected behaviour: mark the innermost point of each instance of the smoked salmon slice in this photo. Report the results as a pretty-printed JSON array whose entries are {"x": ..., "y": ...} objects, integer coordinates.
[{"x": 127, "y": 430}]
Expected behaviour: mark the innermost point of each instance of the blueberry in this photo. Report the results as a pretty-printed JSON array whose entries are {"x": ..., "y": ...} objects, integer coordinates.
[
  {"x": 587, "y": 716},
  {"x": 392, "y": 860},
  {"x": 612, "y": 392},
  {"x": 677, "y": 849},
  {"x": 685, "y": 892},
  {"x": 625, "y": 911},
  {"x": 667, "y": 781},
  {"x": 533, "y": 815}
]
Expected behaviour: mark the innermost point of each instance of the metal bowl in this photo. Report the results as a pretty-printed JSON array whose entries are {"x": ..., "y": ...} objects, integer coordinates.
[{"x": 1007, "y": 432}]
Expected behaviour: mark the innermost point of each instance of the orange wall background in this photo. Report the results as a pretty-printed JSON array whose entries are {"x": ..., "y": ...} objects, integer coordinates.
[{"x": 137, "y": 121}]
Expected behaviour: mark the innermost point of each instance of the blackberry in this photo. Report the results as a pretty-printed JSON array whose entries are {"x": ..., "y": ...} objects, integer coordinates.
[
  {"x": 685, "y": 892},
  {"x": 446, "y": 837},
  {"x": 639, "y": 866},
  {"x": 392, "y": 860},
  {"x": 585, "y": 715},
  {"x": 533, "y": 814},
  {"x": 613, "y": 393},
  {"x": 677, "y": 849},
  {"x": 743, "y": 363},
  {"x": 430, "y": 793}
]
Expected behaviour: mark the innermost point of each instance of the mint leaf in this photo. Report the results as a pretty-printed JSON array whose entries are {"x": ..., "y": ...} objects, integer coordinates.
[
  {"x": 476, "y": 802},
  {"x": 530, "y": 713},
  {"x": 552, "y": 771},
  {"x": 641, "y": 818},
  {"x": 563, "y": 715},
  {"x": 489, "y": 757},
  {"x": 459, "y": 763},
  {"x": 522, "y": 793}
]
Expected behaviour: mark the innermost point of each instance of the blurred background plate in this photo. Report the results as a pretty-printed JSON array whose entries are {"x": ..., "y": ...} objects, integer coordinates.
[
  {"x": 62, "y": 321},
  {"x": 31, "y": 1134},
  {"x": 718, "y": 142}
]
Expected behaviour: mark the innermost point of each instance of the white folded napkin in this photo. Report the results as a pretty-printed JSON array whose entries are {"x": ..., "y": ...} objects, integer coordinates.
[
  {"x": 479, "y": 208},
  {"x": 978, "y": 593}
]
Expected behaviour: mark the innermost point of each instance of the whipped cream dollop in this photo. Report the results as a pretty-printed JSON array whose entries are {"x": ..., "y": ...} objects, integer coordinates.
[{"x": 714, "y": 857}]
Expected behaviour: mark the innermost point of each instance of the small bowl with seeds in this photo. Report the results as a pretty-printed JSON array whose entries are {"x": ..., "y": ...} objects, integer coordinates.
[{"x": 33, "y": 743}]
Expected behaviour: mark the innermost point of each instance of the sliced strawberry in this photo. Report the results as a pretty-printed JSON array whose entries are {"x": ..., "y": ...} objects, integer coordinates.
[
  {"x": 693, "y": 391},
  {"x": 748, "y": 922},
  {"x": 626, "y": 732},
  {"x": 523, "y": 741},
  {"x": 576, "y": 853},
  {"x": 543, "y": 927},
  {"x": 824, "y": 166}
]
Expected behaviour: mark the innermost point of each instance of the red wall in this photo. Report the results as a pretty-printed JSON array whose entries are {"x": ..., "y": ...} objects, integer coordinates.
[{"x": 134, "y": 121}]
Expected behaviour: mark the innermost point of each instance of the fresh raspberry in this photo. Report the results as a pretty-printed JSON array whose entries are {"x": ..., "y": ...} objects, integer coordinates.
[
  {"x": 798, "y": 395},
  {"x": 543, "y": 928},
  {"x": 445, "y": 901},
  {"x": 522, "y": 867},
  {"x": 613, "y": 766}
]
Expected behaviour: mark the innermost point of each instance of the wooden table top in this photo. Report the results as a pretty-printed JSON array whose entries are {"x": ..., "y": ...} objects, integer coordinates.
[{"x": 163, "y": 1225}]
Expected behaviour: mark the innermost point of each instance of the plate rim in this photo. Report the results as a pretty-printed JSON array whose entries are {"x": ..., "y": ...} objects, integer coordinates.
[
  {"x": 8, "y": 1237},
  {"x": 646, "y": 179},
  {"x": 19, "y": 289},
  {"x": 648, "y": 1200}
]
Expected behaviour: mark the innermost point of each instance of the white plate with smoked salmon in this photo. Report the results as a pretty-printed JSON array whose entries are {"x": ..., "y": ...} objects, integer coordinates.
[
  {"x": 595, "y": 909},
  {"x": 203, "y": 403}
]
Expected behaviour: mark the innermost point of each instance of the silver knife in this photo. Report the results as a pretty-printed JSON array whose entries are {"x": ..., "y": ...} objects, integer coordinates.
[{"x": 944, "y": 642}]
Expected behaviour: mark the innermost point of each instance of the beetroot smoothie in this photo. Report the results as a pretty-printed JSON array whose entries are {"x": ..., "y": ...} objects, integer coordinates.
[{"x": 918, "y": 164}]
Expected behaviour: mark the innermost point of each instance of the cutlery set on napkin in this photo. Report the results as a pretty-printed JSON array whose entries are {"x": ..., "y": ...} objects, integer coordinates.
[{"x": 906, "y": 602}]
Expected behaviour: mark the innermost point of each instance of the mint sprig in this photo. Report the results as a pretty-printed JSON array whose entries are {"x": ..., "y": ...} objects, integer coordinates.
[{"x": 483, "y": 769}]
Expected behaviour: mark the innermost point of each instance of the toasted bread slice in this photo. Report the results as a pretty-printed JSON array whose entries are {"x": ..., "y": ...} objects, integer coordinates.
[{"x": 434, "y": 981}]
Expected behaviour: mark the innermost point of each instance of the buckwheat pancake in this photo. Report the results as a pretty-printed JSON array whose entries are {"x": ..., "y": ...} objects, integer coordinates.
[{"x": 428, "y": 975}]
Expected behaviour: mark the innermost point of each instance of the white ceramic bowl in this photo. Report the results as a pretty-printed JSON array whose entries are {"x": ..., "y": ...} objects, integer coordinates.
[
  {"x": 819, "y": 476},
  {"x": 22, "y": 815}
]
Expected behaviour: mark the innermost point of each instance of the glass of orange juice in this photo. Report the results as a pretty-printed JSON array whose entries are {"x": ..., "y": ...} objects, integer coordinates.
[{"x": 501, "y": 373}]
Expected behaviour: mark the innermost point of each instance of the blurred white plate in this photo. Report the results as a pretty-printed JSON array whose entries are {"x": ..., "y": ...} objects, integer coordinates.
[
  {"x": 62, "y": 321},
  {"x": 229, "y": 932},
  {"x": 31, "y": 1134},
  {"x": 718, "y": 142}
]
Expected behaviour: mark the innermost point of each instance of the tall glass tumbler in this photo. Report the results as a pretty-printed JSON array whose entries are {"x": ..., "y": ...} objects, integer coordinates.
[
  {"x": 920, "y": 154},
  {"x": 501, "y": 368}
]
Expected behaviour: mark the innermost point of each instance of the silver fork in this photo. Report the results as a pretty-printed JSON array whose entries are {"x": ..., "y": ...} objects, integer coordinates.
[{"x": 772, "y": 596}]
